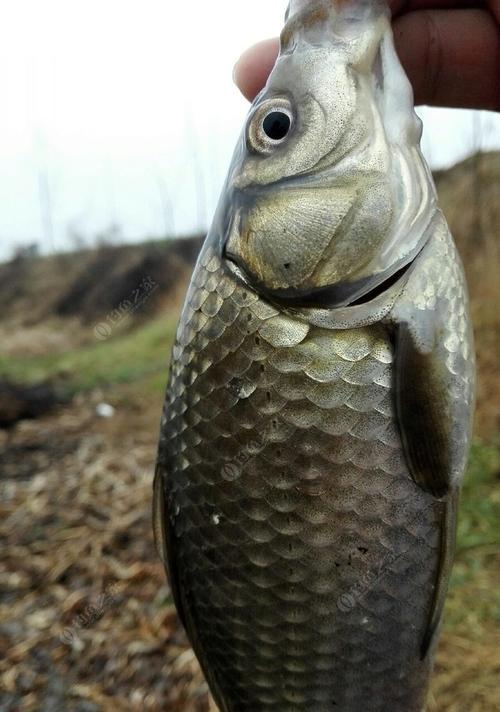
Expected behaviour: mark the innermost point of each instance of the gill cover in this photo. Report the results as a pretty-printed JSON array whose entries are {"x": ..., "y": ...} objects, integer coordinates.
[{"x": 328, "y": 195}]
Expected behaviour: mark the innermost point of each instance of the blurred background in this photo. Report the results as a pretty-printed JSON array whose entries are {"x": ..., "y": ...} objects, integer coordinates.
[{"x": 117, "y": 125}]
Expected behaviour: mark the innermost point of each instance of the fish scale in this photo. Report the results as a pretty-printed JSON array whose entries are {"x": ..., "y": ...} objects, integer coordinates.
[{"x": 319, "y": 500}]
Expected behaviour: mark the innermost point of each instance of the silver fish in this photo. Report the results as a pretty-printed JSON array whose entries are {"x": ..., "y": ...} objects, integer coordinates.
[{"x": 318, "y": 413}]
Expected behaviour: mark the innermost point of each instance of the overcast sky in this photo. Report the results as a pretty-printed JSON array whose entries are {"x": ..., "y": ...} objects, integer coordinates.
[{"x": 124, "y": 112}]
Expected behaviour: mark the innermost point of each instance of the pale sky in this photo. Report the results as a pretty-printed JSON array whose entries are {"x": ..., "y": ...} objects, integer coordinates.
[{"x": 124, "y": 112}]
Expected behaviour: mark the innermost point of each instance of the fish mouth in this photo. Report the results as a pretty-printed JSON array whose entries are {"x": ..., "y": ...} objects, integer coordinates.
[{"x": 333, "y": 296}]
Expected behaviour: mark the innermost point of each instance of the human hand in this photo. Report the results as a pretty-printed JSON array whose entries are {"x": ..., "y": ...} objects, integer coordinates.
[{"x": 450, "y": 50}]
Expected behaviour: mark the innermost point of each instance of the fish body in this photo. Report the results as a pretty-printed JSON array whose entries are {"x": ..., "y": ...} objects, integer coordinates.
[{"x": 317, "y": 417}]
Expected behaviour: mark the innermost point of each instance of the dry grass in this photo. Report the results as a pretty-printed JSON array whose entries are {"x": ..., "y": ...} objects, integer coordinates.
[
  {"x": 86, "y": 619},
  {"x": 466, "y": 675}
]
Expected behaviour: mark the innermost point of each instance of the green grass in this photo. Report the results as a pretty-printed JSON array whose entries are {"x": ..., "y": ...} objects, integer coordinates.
[
  {"x": 121, "y": 358},
  {"x": 474, "y": 597}
]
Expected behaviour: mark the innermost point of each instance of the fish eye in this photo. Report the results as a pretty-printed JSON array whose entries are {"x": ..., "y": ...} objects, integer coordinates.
[
  {"x": 276, "y": 125},
  {"x": 270, "y": 125}
]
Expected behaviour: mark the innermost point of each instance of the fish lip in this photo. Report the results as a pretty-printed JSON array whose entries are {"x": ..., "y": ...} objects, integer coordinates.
[{"x": 335, "y": 296}]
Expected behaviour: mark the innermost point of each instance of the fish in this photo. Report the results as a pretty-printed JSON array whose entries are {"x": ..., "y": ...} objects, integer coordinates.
[{"x": 318, "y": 412}]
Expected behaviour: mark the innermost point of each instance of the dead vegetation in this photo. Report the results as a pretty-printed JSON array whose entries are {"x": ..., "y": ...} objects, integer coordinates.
[
  {"x": 88, "y": 284},
  {"x": 87, "y": 622}
]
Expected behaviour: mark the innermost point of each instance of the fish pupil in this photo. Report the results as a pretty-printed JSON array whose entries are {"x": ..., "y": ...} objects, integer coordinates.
[{"x": 276, "y": 125}]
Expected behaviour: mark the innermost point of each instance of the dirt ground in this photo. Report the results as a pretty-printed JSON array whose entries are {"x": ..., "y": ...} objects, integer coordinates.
[{"x": 86, "y": 619}]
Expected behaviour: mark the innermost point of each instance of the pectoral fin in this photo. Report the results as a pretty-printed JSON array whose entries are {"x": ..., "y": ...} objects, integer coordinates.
[
  {"x": 423, "y": 412},
  {"x": 447, "y": 551},
  {"x": 426, "y": 415}
]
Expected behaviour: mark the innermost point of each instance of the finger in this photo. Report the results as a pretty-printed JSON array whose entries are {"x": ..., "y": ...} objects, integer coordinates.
[
  {"x": 494, "y": 6},
  {"x": 251, "y": 71},
  {"x": 452, "y": 58}
]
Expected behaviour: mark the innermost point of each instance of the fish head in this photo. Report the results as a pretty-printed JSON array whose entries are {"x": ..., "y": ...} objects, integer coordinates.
[{"x": 327, "y": 189}]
